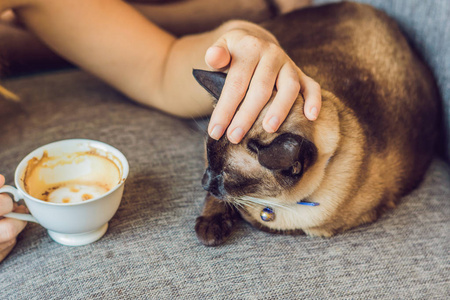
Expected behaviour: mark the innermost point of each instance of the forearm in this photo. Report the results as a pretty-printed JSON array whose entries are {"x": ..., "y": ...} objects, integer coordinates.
[
  {"x": 195, "y": 16},
  {"x": 114, "y": 42},
  {"x": 105, "y": 37}
]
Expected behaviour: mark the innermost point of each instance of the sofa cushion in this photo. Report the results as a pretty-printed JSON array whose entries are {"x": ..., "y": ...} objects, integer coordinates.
[{"x": 150, "y": 249}]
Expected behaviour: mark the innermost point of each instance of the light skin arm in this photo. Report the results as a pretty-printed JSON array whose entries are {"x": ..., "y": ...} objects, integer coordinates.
[{"x": 114, "y": 42}]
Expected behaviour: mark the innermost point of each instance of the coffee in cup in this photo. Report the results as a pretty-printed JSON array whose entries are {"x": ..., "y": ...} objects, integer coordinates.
[
  {"x": 70, "y": 178},
  {"x": 71, "y": 187}
]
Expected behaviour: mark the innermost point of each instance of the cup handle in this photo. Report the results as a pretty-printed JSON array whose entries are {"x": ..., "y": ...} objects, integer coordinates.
[{"x": 16, "y": 196}]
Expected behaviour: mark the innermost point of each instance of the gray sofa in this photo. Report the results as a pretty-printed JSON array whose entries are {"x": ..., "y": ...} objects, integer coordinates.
[{"x": 150, "y": 250}]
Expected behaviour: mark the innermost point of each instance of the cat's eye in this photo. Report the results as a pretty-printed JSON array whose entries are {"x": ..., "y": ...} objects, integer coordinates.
[{"x": 253, "y": 146}]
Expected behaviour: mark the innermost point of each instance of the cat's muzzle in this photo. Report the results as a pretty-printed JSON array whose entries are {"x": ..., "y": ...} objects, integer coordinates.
[{"x": 213, "y": 183}]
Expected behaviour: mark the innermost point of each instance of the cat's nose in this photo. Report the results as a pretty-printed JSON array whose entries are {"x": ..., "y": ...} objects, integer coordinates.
[{"x": 213, "y": 183}]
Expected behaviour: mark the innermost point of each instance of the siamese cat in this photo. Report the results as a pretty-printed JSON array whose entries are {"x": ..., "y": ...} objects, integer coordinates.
[{"x": 371, "y": 144}]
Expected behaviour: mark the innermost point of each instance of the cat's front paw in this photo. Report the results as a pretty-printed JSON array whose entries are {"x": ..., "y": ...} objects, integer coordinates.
[{"x": 213, "y": 230}]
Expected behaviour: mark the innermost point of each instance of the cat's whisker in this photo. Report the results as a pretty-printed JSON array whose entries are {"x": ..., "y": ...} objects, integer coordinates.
[
  {"x": 243, "y": 204},
  {"x": 200, "y": 125},
  {"x": 238, "y": 203},
  {"x": 254, "y": 202}
]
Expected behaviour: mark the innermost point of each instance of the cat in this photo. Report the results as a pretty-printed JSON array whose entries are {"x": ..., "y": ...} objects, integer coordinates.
[{"x": 371, "y": 144}]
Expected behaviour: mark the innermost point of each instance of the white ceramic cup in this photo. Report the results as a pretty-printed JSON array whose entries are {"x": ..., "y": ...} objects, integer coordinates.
[{"x": 72, "y": 224}]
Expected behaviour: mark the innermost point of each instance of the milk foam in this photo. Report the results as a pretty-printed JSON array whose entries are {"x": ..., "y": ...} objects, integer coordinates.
[
  {"x": 76, "y": 193},
  {"x": 70, "y": 178}
]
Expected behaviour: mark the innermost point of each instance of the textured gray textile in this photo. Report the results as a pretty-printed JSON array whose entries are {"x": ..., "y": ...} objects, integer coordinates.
[
  {"x": 150, "y": 250},
  {"x": 427, "y": 25}
]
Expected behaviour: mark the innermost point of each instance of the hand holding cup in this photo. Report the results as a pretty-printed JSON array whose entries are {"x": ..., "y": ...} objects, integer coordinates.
[{"x": 71, "y": 187}]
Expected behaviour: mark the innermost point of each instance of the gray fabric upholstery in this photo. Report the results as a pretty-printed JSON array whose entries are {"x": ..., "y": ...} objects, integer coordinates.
[
  {"x": 150, "y": 250},
  {"x": 427, "y": 25}
]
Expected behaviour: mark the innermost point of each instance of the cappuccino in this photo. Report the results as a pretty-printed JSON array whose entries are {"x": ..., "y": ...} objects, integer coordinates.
[
  {"x": 71, "y": 187},
  {"x": 70, "y": 178}
]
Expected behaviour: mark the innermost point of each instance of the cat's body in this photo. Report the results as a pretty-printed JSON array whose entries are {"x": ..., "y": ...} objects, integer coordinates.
[{"x": 371, "y": 144}]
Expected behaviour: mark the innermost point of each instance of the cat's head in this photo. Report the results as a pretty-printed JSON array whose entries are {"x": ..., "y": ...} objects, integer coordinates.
[{"x": 263, "y": 165}]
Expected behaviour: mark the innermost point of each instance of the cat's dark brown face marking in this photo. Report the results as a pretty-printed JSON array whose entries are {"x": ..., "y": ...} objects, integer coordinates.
[
  {"x": 256, "y": 169},
  {"x": 221, "y": 178},
  {"x": 288, "y": 156}
]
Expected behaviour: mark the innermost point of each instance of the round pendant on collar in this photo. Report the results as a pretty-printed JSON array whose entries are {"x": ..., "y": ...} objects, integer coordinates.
[{"x": 267, "y": 214}]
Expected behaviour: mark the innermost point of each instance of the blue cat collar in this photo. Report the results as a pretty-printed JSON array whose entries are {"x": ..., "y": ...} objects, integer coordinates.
[{"x": 308, "y": 203}]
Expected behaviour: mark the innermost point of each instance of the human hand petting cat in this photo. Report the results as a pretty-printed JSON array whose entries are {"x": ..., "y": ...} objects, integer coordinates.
[
  {"x": 154, "y": 67},
  {"x": 256, "y": 62},
  {"x": 9, "y": 228}
]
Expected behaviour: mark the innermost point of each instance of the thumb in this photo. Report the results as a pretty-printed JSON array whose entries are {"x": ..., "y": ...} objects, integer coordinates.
[
  {"x": 22, "y": 209},
  {"x": 218, "y": 56}
]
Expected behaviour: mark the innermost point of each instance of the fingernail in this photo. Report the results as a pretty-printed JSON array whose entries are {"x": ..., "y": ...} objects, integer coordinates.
[
  {"x": 273, "y": 124},
  {"x": 236, "y": 135},
  {"x": 313, "y": 113},
  {"x": 217, "y": 132}
]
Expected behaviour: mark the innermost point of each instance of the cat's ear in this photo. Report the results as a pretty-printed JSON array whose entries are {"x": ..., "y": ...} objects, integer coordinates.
[
  {"x": 288, "y": 152},
  {"x": 212, "y": 82}
]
